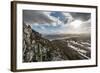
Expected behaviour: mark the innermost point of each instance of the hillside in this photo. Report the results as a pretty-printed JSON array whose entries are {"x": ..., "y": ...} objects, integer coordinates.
[{"x": 37, "y": 48}]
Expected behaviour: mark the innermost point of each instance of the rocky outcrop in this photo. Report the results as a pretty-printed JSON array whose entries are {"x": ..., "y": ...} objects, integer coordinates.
[{"x": 36, "y": 48}]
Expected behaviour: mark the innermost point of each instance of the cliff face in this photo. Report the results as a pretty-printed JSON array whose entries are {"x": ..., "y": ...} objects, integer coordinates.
[{"x": 36, "y": 48}]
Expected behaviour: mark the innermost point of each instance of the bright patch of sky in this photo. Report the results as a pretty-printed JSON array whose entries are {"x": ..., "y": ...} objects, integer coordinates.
[{"x": 56, "y": 22}]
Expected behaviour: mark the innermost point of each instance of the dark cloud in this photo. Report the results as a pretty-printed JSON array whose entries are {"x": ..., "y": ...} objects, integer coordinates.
[
  {"x": 81, "y": 16},
  {"x": 33, "y": 16},
  {"x": 86, "y": 24}
]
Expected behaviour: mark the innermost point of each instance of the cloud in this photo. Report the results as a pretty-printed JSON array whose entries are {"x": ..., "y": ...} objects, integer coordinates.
[
  {"x": 36, "y": 24},
  {"x": 87, "y": 23},
  {"x": 33, "y": 16},
  {"x": 55, "y": 20},
  {"x": 43, "y": 28},
  {"x": 73, "y": 27},
  {"x": 81, "y": 16},
  {"x": 68, "y": 17},
  {"x": 86, "y": 26},
  {"x": 83, "y": 26}
]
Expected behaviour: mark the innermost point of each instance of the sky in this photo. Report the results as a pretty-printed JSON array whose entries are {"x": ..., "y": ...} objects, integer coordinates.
[{"x": 57, "y": 22}]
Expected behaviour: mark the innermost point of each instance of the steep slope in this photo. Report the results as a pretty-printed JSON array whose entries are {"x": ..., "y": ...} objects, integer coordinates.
[{"x": 36, "y": 48}]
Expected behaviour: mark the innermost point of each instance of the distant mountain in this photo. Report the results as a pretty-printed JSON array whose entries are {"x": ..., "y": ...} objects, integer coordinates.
[
  {"x": 65, "y": 36},
  {"x": 37, "y": 48}
]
